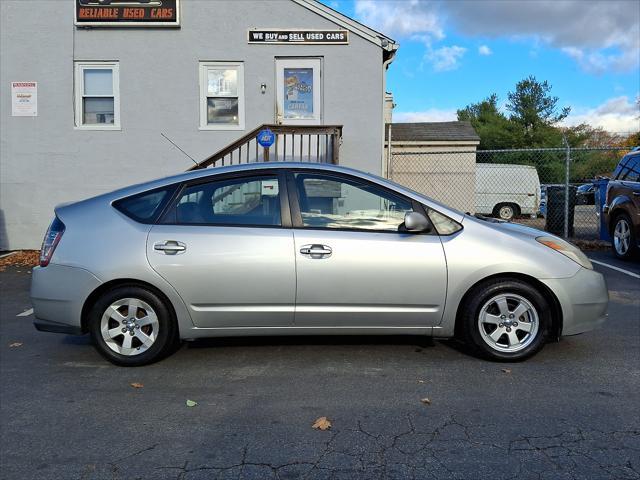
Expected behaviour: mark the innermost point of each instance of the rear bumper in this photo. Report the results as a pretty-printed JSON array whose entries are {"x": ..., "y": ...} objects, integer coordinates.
[
  {"x": 58, "y": 293},
  {"x": 583, "y": 298}
]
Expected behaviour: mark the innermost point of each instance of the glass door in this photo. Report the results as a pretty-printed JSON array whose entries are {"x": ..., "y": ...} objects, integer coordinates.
[{"x": 299, "y": 91}]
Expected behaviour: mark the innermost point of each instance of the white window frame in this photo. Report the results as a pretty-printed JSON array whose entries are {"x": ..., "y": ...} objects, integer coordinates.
[
  {"x": 80, "y": 67},
  {"x": 204, "y": 83}
]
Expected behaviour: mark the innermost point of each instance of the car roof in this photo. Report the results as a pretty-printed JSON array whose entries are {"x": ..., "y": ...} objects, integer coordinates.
[
  {"x": 214, "y": 171},
  {"x": 262, "y": 167}
]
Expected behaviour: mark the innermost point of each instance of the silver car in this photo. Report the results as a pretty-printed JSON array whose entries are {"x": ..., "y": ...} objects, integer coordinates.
[{"x": 299, "y": 248}]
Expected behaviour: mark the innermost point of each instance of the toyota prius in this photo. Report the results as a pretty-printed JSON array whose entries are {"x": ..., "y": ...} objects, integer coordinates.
[{"x": 302, "y": 249}]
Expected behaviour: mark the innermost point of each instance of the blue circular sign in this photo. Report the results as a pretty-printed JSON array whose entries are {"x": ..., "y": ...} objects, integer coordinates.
[{"x": 266, "y": 137}]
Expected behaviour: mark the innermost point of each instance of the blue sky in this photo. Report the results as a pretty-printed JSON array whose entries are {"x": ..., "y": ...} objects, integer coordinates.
[{"x": 456, "y": 52}]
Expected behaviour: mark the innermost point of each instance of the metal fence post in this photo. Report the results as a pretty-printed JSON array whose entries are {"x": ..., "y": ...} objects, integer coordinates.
[
  {"x": 567, "y": 167},
  {"x": 389, "y": 153}
]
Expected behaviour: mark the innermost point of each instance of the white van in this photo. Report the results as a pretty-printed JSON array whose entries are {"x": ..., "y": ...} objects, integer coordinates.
[{"x": 506, "y": 191}]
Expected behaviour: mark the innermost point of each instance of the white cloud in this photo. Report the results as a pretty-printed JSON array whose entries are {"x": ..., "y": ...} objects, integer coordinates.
[
  {"x": 618, "y": 114},
  {"x": 598, "y": 35},
  {"x": 484, "y": 50},
  {"x": 446, "y": 58},
  {"x": 430, "y": 115},
  {"x": 408, "y": 19}
]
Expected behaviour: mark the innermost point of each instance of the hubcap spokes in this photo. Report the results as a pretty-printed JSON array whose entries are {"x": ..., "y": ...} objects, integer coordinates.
[
  {"x": 505, "y": 213},
  {"x": 129, "y": 326},
  {"x": 508, "y": 322},
  {"x": 621, "y": 237}
]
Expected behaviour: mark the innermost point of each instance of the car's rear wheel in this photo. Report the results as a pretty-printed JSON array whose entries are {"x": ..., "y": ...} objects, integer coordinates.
[
  {"x": 132, "y": 326},
  {"x": 506, "y": 319},
  {"x": 505, "y": 211},
  {"x": 624, "y": 239}
]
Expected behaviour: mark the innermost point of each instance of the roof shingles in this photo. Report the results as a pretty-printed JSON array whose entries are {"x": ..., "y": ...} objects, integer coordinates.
[{"x": 432, "y": 131}]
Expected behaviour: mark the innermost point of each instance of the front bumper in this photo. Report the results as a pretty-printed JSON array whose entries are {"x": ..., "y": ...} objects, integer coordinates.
[
  {"x": 583, "y": 298},
  {"x": 58, "y": 293}
]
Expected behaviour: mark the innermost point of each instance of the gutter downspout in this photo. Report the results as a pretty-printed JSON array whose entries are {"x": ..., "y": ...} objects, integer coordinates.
[{"x": 392, "y": 48}]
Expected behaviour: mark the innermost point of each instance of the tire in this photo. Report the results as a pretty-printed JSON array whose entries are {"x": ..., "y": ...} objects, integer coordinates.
[
  {"x": 624, "y": 242},
  {"x": 131, "y": 326},
  {"x": 489, "y": 329},
  {"x": 505, "y": 211}
]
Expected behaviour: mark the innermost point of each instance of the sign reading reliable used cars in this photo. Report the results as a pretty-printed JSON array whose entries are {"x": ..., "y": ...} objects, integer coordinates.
[{"x": 122, "y": 13}]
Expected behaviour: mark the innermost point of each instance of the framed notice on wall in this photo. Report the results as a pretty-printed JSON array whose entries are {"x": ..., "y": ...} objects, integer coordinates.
[
  {"x": 24, "y": 99},
  {"x": 127, "y": 13}
]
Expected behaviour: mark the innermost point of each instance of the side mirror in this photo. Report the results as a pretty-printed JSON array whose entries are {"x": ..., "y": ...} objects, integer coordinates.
[{"x": 416, "y": 222}]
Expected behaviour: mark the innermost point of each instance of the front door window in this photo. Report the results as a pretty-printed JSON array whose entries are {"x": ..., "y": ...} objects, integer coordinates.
[{"x": 328, "y": 201}]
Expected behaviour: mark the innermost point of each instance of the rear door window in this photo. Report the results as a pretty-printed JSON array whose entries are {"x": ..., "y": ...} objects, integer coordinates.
[
  {"x": 633, "y": 169},
  {"x": 628, "y": 169},
  {"x": 244, "y": 201}
]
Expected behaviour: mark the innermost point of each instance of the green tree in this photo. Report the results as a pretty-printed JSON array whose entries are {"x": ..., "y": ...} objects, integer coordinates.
[
  {"x": 535, "y": 113},
  {"x": 492, "y": 126}
]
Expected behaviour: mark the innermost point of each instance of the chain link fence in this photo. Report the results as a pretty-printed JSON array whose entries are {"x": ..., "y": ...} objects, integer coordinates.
[{"x": 549, "y": 189}]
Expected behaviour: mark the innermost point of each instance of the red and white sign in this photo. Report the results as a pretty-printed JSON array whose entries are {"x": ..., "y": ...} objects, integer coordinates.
[{"x": 24, "y": 99}]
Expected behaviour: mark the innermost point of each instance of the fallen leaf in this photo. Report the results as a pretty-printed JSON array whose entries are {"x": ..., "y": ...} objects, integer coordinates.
[
  {"x": 426, "y": 401},
  {"x": 136, "y": 385},
  {"x": 15, "y": 344},
  {"x": 191, "y": 403},
  {"x": 506, "y": 370},
  {"x": 322, "y": 423}
]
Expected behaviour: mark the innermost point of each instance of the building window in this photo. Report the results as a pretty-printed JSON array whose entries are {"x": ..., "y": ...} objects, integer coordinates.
[
  {"x": 221, "y": 96},
  {"x": 97, "y": 95}
]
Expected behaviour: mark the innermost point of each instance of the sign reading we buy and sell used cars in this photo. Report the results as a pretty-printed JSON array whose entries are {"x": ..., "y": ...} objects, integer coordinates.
[
  {"x": 268, "y": 35},
  {"x": 122, "y": 13}
]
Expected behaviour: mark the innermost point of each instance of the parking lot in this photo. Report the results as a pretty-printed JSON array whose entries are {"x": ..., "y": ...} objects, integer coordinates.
[{"x": 571, "y": 412}]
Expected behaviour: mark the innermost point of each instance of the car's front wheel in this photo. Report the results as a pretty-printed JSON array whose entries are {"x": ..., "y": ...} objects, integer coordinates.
[
  {"x": 624, "y": 241},
  {"x": 132, "y": 326},
  {"x": 506, "y": 319}
]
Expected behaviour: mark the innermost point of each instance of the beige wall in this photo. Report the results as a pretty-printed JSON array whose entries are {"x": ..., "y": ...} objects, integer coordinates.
[{"x": 444, "y": 171}]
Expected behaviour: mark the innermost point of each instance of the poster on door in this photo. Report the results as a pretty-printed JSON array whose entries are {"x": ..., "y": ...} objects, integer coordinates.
[{"x": 298, "y": 93}]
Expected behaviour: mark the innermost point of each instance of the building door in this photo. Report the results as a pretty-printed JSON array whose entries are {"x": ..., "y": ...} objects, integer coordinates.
[
  {"x": 299, "y": 102},
  {"x": 298, "y": 91}
]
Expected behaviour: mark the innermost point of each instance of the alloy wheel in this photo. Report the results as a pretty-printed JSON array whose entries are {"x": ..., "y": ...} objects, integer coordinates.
[
  {"x": 622, "y": 236},
  {"x": 129, "y": 326},
  {"x": 508, "y": 323}
]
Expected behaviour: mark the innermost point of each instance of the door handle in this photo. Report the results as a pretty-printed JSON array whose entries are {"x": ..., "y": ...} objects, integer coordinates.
[
  {"x": 316, "y": 251},
  {"x": 170, "y": 247}
]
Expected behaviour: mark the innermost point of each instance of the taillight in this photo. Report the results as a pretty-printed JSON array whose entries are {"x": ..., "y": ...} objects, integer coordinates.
[{"x": 50, "y": 242}]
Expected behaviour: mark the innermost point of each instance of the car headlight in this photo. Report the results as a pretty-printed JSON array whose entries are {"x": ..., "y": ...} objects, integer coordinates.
[{"x": 567, "y": 249}]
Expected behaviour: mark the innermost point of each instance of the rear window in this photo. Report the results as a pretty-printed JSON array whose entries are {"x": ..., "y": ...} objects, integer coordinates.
[{"x": 145, "y": 207}]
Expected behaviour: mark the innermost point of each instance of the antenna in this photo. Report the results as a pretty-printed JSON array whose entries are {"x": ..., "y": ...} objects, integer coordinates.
[{"x": 172, "y": 143}]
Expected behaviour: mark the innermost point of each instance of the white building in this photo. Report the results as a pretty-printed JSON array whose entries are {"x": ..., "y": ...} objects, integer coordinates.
[{"x": 90, "y": 105}]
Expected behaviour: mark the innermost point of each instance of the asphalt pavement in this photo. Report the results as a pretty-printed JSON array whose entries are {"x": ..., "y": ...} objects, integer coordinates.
[{"x": 571, "y": 412}]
